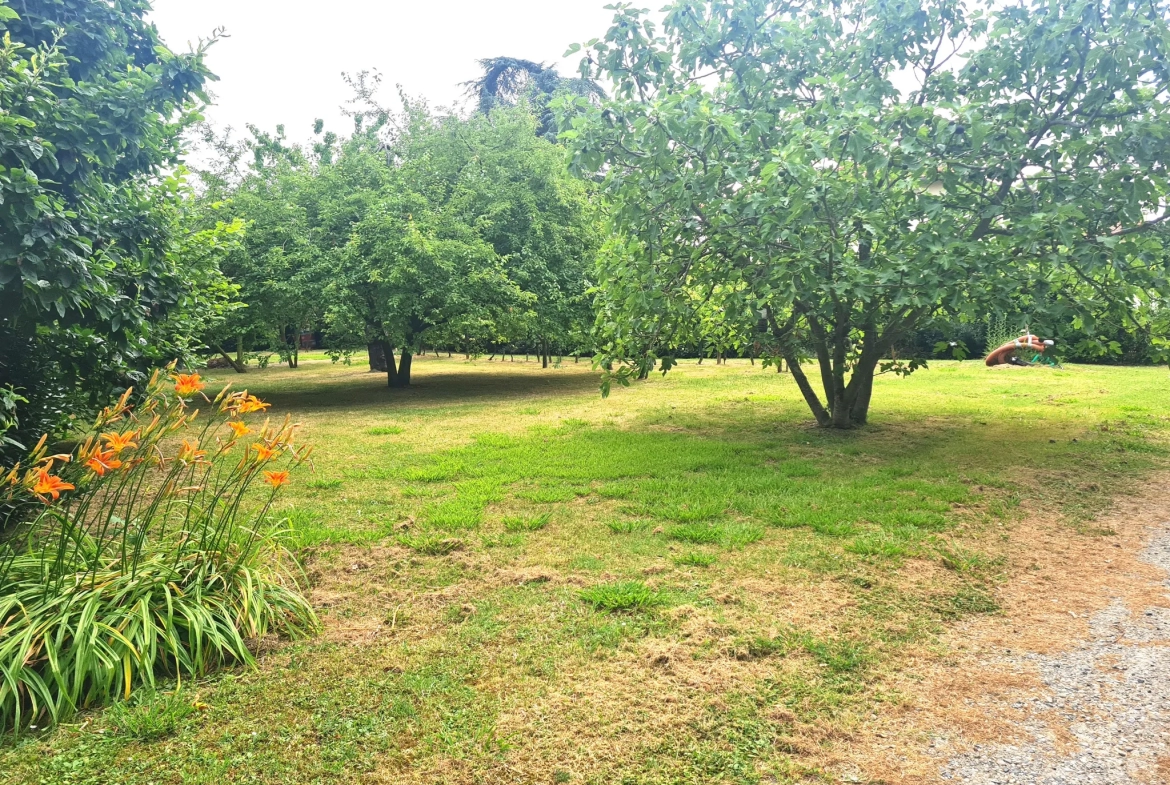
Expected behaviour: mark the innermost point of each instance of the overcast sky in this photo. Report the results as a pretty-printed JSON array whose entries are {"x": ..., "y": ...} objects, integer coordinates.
[{"x": 284, "y": 58}]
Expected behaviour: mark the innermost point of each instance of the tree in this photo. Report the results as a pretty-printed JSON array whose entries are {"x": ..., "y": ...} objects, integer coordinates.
[
  {"x": 409, "y": 270},
  {"x": 494, "y": 173},
  {"x": 837, "y": 174},
  {"x": 91, "y": 107},
  {"x": 509, "y": 81}
]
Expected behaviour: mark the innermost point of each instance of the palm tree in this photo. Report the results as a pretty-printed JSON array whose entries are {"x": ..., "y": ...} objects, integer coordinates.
[{"x": 506, "y": 80}]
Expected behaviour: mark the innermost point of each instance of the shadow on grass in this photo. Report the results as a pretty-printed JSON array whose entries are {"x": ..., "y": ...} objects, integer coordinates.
[{"x": 360, "y": 390}]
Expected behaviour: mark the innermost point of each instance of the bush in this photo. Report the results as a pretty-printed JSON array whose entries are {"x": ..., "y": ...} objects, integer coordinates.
[{"x": 149, "y": 556}]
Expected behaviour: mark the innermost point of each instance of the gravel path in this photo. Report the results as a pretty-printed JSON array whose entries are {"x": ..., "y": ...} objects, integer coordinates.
[{"x": 1112, "y": 693}]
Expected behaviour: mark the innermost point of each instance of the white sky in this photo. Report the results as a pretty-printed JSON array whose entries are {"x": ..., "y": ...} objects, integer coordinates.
[{"x": 284, "y": 59}]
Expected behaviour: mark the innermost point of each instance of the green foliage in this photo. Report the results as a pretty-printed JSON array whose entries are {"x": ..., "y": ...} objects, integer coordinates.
[
  {"x": 420, "y": 229},
  {"x": 696, "y": 559},
  {"x": 430, "y": 543},
  {"x": 797, "y": 200},
  {"x": 621, "y": 596},
  {"x": 527, "y": 524},
  {"x": 626, "y": 526},
  {"x": 140, "y": 564},
  {"x": 150, "y": 715},
  {"x": 96, "y": 278},
  {"x": 507, "y": 81}
]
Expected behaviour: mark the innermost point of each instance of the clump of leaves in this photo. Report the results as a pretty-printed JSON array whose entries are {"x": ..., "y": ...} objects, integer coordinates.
[
  {"x": 695, "y": 559},
  {"x": 430, "y": 544},
  {"x": 151, "y": 715},
  {"x": 621, "y": 596},
  {"x": 527, "y": 524}
]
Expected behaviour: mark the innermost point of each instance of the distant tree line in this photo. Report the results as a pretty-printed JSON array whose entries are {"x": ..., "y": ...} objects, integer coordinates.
[{"x": 420, "y": 229}]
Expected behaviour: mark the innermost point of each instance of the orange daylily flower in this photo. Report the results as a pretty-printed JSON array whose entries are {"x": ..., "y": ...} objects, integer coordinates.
[
  {"x": 120, "y": 441},
  {"x": 102, "y": 462},
  {"x": 190, "y": 452},
  {"x": 264, "y": 452},
  {"x": 249, "y": 404},
  {"x": 239, "y": 428},
  {"x": 50, "y": 485},
  {"x": 188, "y": 384},
  {"x": 276, "y": 479}
]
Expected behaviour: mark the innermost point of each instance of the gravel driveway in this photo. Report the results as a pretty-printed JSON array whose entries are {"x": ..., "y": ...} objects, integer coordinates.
[{"x": 1112, "y": 693}]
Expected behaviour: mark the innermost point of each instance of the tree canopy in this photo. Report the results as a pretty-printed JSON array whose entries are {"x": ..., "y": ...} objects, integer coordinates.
[
  {"x": 831, "y": 176},
  {"x": 508, "y": 81},
  {"x": 420, "y": 228},
  {"x": 91, "y": 279}
]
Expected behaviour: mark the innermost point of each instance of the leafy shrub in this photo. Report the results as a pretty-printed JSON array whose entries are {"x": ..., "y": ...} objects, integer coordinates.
[
  {"x": 521, "y": 524},
  {"x": 149, "y": 556},
  {"x": 621, "y": 596}
]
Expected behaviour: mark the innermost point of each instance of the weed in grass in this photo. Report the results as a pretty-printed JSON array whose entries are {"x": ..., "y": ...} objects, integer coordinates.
[
  {"x": 966, "y": 561},
  {"x": 527, "y": 524},
  {"x": 422, "y": 491},
  {"x": 324, "y": 485},
  {"x": 430, "y": 544},
  {"x": 150, "y": 715},
  {"x": 621, "y": 596},
  {"x": 964, "y": 601},
  {"x": 552, "y": 493},
  {"x": 626, "y": 526},
  {"x": 877, "y": 545},
  {"x": 385, "y": 430},
  {"x": 695, "y": 559},
  {"x": 698, "y": 533},
  {"x": 739, "y": 535},
  {"x": 504, "y": 540},
  {"x": 585, "y": 562}
]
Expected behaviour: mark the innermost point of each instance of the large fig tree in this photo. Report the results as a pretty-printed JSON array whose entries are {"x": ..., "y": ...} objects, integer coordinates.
[{"x": 832, "y": 174}]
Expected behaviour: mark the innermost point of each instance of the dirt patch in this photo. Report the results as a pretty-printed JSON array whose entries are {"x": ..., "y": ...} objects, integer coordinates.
[{"x": 983, "y": 685}]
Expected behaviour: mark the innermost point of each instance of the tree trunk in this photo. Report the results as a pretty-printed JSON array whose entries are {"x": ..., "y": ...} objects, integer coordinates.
[
  {"x": 810, "y": 395},
  {"x": 544, "y": 354},
  {"x": 404, "y": 369},
  {"x": 377, "y": 357},
  {"x": 391, "y": 369},
  {"x": 239, "y": 352},
  {"x": 237, "y": 366}
]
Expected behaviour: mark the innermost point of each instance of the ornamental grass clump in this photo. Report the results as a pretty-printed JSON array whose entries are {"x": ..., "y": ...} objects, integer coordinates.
[{"x": 151, "y": 553}]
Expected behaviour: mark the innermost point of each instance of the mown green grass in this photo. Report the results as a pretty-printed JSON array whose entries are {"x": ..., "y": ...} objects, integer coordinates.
[{"x": 699, "y": 512}]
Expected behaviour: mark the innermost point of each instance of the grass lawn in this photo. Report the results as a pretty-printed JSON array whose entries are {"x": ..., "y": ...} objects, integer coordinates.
[{"x": 683, "y": 583}]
